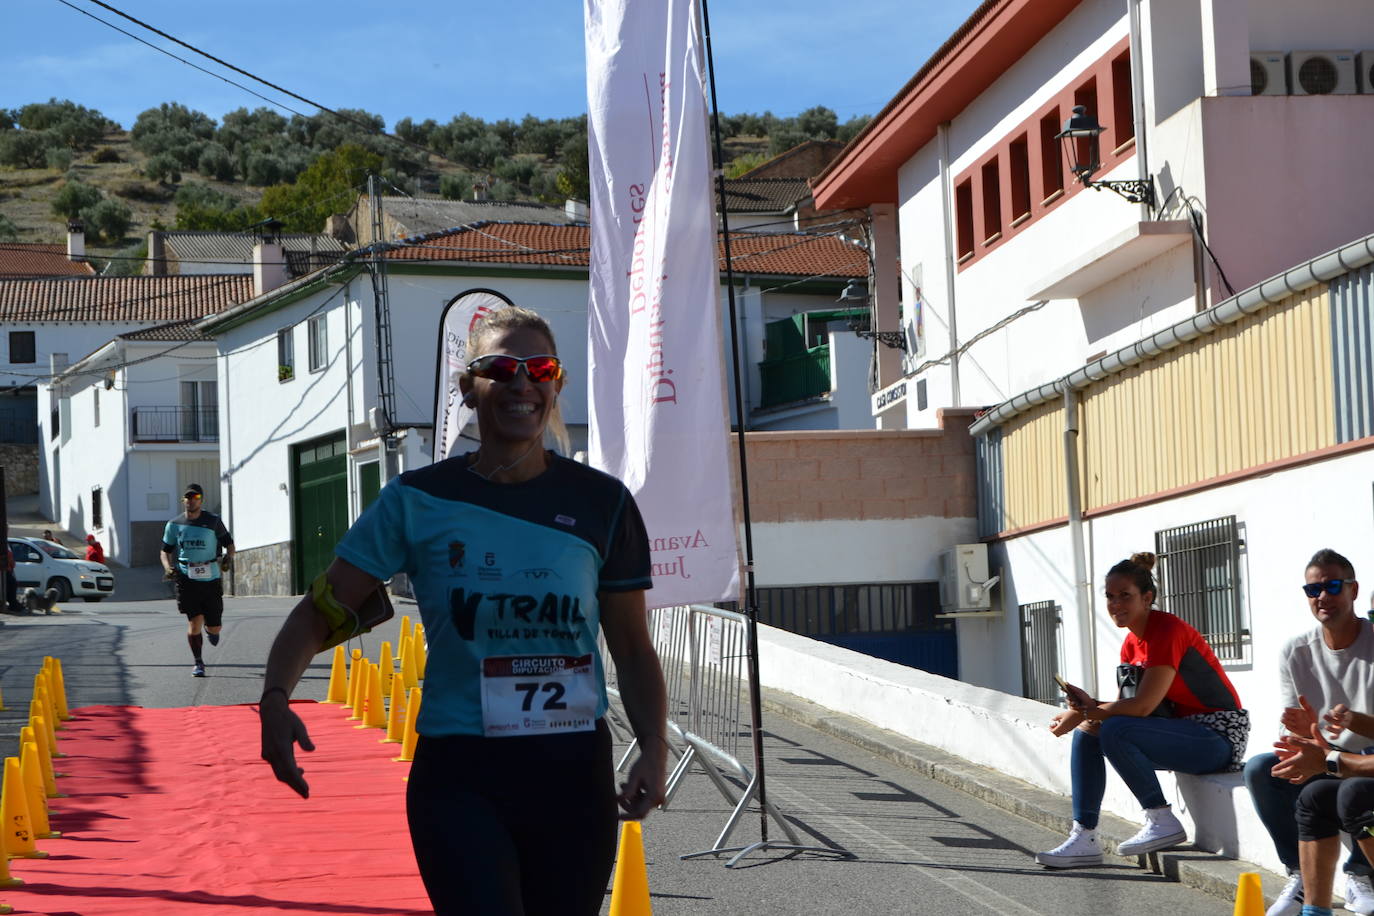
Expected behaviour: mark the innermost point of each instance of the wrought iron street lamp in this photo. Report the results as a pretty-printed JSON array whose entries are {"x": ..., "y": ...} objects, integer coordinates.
[
  {"x": 1082, "y": 150},
  {"x": 855, "y": 295}
]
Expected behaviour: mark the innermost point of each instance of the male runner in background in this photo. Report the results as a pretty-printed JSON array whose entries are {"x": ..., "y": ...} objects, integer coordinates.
[{"x": 191, "y": 545}]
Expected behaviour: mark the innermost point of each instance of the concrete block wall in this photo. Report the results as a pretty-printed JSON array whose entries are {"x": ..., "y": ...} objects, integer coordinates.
[{"x": 822, "y": 475}]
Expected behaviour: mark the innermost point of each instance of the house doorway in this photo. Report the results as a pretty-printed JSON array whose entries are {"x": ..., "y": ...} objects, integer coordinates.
[{"x": 319, "y": 505}]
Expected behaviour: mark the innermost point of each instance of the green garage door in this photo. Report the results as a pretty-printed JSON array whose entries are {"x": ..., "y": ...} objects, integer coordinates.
[{"x": 319, "y": 503}]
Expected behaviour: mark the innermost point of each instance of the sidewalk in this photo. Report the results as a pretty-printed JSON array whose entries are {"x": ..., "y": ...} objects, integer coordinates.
[{"x": 1191, "y": 867}]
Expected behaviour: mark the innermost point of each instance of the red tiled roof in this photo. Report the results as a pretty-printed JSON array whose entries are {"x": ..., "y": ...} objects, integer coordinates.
[
  {"x": 26, "y": 259},
  {"x": 791, "y": 254},
  {"x": 174, "y": 298},
  {"x": 174, "y": 330}
]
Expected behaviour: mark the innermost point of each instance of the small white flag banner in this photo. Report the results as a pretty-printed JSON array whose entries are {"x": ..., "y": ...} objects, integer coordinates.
[
  {"x": 657, "y": 395},
  {"x": 455, "y": 327}
]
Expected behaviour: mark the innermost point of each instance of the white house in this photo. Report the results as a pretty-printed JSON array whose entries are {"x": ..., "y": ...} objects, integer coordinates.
[
  {"x": 1189, "y": 375},
  {"x": 299, "y": 370},
  {"x": 63, "y": 319},
  {"x": 149, "y": 399}
]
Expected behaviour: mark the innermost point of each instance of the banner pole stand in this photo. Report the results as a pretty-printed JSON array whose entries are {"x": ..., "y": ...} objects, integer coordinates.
[{"x": 750, "y": 596}]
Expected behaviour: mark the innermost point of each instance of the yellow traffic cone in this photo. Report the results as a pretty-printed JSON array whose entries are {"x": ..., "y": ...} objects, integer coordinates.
[
  {"x": 31, "y": 774},
  {"x": 6, "y": 880},
  {"x": 16, "y": 838},
  {"x": 29, "y": 733},
  {"x": 630, "y": 890},
  {"x": 1249, "y": 895},
  {"x": 59, "y": 682},
  {"x": 353, "y": 660},
  {"x": 43, "y": 734},
  {"x": 43, "y": 687},
  {"x": 39, "y": 716},
  {"x": 396, "y": 714},
  {"x": 2, "y": 709},
  {"x": 387, "y": 668},
  {"x": 374, "y": 713},
  {"x": 338, "y": 679},
  {"x": 410, "y": 675},
  {"x": 402, "y": 633},
  {"x": 421, "y": 651},
  {"x": 411, "y": 736},
  {"x": 360, "y": 678}
]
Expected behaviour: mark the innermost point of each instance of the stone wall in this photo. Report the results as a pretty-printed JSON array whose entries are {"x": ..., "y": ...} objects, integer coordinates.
[
  {"x": 21, "y": 468},
  {"x": 263, "y": 570},
  {"x": 817, "y": 475}
]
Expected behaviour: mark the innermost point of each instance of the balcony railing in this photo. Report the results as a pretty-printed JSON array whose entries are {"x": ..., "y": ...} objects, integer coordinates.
[
  {"x": 176, "y": 424},
  {"x": 795, "y": 378}
]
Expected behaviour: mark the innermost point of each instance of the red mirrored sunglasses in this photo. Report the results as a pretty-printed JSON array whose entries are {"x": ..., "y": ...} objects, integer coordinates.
[{"x": 500, "y": 368}]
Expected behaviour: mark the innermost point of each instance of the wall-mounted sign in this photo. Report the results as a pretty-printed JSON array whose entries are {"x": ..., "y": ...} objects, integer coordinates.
[{"x": 890, "y": 396}]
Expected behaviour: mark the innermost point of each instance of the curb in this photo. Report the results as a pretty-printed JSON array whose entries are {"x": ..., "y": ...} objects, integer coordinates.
[{"x": 1192, "y": 867}]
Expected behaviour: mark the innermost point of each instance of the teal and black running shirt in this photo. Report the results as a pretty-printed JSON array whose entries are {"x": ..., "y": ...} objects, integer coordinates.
[
  {"x": 197, "y": 544},
  {"x": 506, "y": 577}
]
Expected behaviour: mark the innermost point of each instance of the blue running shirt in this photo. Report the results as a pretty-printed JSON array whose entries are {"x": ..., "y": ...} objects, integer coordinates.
[
  {"x": 506, "y": 577},
  {"x": 197, "y": 544}
]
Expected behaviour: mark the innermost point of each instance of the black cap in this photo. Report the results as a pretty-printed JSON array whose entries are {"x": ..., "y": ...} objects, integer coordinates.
[{"x": 193, "y": 489}]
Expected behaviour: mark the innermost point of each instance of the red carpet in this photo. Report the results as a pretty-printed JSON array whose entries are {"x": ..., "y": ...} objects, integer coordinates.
[{"x": 173, "y": 811}]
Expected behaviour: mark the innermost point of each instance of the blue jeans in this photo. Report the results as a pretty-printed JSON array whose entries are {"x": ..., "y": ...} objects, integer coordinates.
[
  {"x": 1137, "y": 746},
  {"x": 1276, "y": 803}
]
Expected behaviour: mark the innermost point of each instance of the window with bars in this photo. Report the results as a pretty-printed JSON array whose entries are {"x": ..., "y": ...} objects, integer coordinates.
[
  {"x": 1199, "y": 580},
  {"x": 1041, "y": 638}
]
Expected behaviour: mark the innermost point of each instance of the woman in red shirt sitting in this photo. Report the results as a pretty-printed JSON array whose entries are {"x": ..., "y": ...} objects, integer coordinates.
[{"x": 1177, "y": 711}]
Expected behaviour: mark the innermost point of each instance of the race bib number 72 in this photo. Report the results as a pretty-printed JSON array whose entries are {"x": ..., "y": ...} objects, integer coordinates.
[{"x": 538, "y": 694}]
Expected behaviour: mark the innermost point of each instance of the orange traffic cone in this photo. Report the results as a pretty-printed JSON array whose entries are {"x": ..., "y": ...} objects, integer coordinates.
[
  {"x": 630, "y": 890},
  {"x": 31, "y": 774},
  {"x": 411, "y": 736},
  {"x": 410, "y": 675},
  {"x": 387, "y": 667},
  {"x": 29, "y": 733},
  {"x": 374, "y": 713},
  {"x": 421, "y": 651},
  {"x": 396, "y": 714},
  {"x": 60, "y": 690},
  {"x": 338, "y": 679},
  {"x": 16, "y": 830},
  {"x": 1249, "y": 895}
]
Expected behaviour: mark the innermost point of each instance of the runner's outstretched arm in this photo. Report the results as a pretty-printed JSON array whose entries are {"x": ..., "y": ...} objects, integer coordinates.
[
  {"x": 296, "y": 644},
  {"x": 626, "y": 625}
]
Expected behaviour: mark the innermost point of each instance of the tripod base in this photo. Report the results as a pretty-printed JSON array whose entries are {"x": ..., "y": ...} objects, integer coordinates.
[{"x": 792, "y": 850}]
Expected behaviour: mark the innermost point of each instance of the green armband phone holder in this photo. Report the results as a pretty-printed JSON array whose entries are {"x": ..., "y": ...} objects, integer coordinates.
[{"x": 344, "y": 622}]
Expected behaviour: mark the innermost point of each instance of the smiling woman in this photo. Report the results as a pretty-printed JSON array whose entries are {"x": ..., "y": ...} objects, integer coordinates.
[{"x": 516, "y": 555}]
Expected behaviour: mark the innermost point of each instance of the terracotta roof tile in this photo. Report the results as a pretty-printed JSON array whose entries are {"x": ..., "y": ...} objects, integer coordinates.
[
  {"x": 24, "y": 259},
  {"x": 791, "y": 254},
  {"x": 174, "y": 298},
  {"x": 175, "y": 330}
]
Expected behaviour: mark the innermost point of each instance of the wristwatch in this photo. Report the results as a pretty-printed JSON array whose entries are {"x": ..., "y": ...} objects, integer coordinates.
[{"x": 1333, "y": 763}]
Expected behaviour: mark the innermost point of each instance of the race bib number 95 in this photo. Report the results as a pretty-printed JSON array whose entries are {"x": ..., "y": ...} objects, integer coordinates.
[{"x": 538, "y": 695}]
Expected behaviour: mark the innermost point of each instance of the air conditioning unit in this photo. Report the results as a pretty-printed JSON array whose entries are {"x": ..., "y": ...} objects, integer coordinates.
[
  {"x": 1364, "y": 63},
  {"x": 964, "y": 581},
  {"x": 1268, "y": 73},
  {"x": 1322, "y": 72}
]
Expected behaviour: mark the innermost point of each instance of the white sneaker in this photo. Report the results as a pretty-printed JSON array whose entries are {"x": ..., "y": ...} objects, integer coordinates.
[
  {"x": 1359, "y": 894},
  {"x": 1289, "y": 902},
  {"x": 1161, "y": 831},
  {"x": 1081, "y": 848}
]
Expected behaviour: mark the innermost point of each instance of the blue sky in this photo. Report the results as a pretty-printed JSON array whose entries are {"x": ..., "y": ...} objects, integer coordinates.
[{"x": 492, "y": 60}]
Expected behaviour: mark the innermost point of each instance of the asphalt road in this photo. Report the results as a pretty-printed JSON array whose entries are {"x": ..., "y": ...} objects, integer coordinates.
[{"x": 914, "y": 845}]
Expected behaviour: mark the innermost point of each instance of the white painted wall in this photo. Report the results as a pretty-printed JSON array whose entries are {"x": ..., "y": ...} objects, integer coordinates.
[
  {"x": 76, "y": 339},
  {"x": 842, "y": 552},
  {"x": 1285, "y": 517}
]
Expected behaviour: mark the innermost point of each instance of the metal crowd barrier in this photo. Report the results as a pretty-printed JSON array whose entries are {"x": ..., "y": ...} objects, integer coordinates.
[{"x": 704, "y": 653}]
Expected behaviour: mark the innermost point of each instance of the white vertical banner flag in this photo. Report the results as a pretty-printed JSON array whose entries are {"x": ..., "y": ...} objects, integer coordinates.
[
  {"x": 455, "y": 327},
  {"x": 657, "y": 393}
]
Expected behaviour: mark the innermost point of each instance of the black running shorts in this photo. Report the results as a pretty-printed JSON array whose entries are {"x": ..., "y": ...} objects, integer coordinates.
[
  {"x": 522, "y": 826},
  {"x": 196, "y": 599}
]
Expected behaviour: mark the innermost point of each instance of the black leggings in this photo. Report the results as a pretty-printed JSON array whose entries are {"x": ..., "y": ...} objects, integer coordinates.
[
  {"x": 514, "y": 826},
  {"x": 1328, "y": 806}
]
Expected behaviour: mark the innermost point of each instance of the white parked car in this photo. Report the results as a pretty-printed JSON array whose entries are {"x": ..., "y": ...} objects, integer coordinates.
[{"x": 43, "y": 565}]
